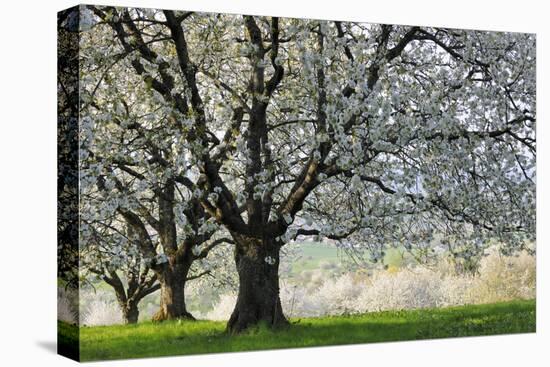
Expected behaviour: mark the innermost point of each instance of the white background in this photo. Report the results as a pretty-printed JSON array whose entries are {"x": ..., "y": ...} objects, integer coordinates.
[{"x": 28, "y": 183}]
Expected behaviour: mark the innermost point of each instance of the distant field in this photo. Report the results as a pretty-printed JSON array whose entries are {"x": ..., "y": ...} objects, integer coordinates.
[
  {"x": 314, "y": 254},
  {"x": 178, "y": 338},
  {"x": 317, "y": 254}
]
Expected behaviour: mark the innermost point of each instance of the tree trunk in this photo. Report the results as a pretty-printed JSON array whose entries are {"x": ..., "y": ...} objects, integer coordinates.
[
  {"x": 130, "y": 312},
  {"x": 258, "y": 300},
  {"x": 172, "y": 293}
]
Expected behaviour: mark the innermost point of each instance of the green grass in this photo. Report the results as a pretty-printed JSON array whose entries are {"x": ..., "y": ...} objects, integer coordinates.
[
  {"x": 67, "y": 339},
  {"x": 315, "y": 254},
  {"x": 176, "y": 338}
]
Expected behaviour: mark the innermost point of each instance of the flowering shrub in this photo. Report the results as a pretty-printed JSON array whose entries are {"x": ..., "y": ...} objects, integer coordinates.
[
  {"x": 99, "y": 308},
  {"x": 65, "y": 306},
  {"x": 500, "y": 278},
  {"x": 408, "y": 288},
  {"x": 504, "y": 278},
  {"x": 321, "y": 292},
  {"x": 222, "y": 310},
  {"x": 101, "y": 312},
  {"x": 299, "y": 301}
]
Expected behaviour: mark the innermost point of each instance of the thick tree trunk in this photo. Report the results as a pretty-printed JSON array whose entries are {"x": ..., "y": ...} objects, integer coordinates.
[
  {"x": 258, "y": 300},
  {"x": 130, "y": 312},
  {"x": 172, "y": 293}
]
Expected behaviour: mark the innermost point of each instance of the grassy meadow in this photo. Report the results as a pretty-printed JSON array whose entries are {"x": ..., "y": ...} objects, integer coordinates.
[{"x": 147, "y": 339}]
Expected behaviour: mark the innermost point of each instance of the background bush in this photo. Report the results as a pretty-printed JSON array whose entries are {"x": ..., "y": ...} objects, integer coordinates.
[{"x": 329, "y": 289}]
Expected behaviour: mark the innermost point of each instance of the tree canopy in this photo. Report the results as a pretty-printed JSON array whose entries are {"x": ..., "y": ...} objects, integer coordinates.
[{"x": 259, "y": 130}]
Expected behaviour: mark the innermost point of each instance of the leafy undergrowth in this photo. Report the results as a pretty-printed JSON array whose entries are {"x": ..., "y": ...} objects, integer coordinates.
[{"x": 183, "y": 337}]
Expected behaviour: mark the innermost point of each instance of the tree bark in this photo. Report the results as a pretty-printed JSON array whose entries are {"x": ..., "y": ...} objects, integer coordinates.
[
  {"x": 172, "y": 293},
  {"x": 258, "y": 301},
  {"x": 130, "y": 312}
]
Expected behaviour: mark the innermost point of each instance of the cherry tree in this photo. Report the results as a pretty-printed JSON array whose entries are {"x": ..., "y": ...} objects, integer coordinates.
[
  {"x": 67, "y": 146},
  {"x": 112, "y": 254},
  {"x": 134, "y": 175},
  {"x": 373, "y": 135}
]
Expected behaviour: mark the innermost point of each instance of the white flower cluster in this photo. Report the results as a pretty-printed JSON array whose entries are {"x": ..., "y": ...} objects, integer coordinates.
[{"x": 161, "y": 259}]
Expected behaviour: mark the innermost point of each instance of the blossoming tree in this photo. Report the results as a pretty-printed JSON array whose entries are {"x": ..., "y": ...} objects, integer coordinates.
[
  {"x": 139, "y": 216},
  {"x": 376, "y": 133},
  {"x": 112, "y": 254}
]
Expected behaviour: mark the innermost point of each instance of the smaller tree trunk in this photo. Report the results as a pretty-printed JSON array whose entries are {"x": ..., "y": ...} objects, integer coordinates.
[
  {"x": 172, "y": 293},
  {"x": 130, "y": 312},
  {"x": 258, "y": 300}
]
